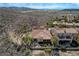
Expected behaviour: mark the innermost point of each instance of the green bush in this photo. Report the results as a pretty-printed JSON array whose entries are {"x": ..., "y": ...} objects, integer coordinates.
[
  {"x": 74, "y": 24},
  {"x": 50, "y": 23},
  {"x": 45, "y": 45},
  {"x": 48, "y": 50},
  {"x": 77, "y": 39},
  {"x": 65, "y": 18},
  {"x": 27, "y": 40},
  {"x": 54, "y": 40},
  {"x": 76, "y": 19}
]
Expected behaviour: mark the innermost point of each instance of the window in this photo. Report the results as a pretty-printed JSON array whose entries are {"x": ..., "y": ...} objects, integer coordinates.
[
  {"x": 61, "y": 36},
  {"x": 68, "y": 37}
]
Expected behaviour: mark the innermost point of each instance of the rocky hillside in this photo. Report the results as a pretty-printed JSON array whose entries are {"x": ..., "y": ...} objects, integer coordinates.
[{"x": 15, "y": 23}]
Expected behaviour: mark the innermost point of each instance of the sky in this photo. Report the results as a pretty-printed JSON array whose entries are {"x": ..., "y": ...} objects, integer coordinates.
[{"x": 43, "y": 5}]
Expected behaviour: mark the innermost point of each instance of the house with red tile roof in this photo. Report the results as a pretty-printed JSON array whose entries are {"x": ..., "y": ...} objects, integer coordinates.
[{"x": 41, "y": 35}]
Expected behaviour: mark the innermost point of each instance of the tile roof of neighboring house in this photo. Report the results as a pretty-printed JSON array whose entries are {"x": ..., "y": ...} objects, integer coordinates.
[
  {"x": 71, "y": 30},
  {"x": 60, "y": 30},
  {"x": 57, "y": 30},
  {"x": 41, "y": 34},
  {"x": 64, "y": 30},
  {"x": 77, "y": 29}
]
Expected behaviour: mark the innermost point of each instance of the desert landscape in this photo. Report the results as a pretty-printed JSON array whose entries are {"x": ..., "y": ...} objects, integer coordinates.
[{"x": 36, "y": 32}]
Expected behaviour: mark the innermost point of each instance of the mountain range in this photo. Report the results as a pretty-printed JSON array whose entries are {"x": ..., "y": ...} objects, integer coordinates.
[{"x": 26, "y": 8}]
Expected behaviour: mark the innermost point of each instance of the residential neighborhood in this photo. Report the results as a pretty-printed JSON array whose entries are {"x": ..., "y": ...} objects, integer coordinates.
[{"x": 65, "y": 33}]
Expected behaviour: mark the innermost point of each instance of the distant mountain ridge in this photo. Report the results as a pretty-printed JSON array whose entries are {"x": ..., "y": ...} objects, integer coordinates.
[
  {"x": 23, "y": 8},
  {"x": 70, "y": 9},
  {"x": 26, "y": 8},
  {"x": 17, "y": 8}
]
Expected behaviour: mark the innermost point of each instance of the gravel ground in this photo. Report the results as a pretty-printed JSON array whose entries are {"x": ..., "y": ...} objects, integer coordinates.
[
  {"x": 38, "y": 53},
  {"x": 69, "y": 53}
]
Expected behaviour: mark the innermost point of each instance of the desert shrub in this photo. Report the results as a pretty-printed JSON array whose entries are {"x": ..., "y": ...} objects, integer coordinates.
[
  {"x": 27, "y": 40},
  {"x": 54, "y": 40},
  {"x": 45, "y": 45},
  {"x": 26, "y": 51},
  {"x": 77, "y": 39},
  {"x": 50, "y": 23},
  {"x": 76, "y": 19},
  {"x": 65, "y": 18},
  {"x": 48, "y": 50},
  {"x": 74, "y": 24}
]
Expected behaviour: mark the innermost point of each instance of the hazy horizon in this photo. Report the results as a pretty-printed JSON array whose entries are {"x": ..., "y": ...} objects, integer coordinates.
[{"x": 57, "y": 6}]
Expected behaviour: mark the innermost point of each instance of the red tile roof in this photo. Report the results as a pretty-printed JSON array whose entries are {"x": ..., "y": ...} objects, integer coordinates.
[{"x": 41, "y": 34}]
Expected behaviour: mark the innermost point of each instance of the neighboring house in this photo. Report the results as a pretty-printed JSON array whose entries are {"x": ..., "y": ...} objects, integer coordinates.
[
  {"x": 65, "y": 35},
  {"x": 77, "y": 29},
  {"x": 41, "y": 36}
]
